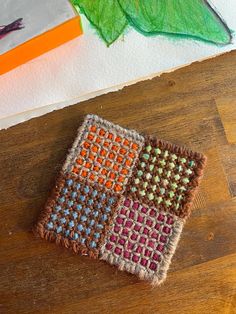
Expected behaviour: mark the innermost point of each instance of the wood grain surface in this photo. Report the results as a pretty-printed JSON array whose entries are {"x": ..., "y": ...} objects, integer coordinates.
[{"x": 194, "y": 106}]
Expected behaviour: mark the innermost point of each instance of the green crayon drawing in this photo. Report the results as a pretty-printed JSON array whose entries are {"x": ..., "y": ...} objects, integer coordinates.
[
  {"x": 106, "y": 15},
  {"x": 180, "y": 18}
]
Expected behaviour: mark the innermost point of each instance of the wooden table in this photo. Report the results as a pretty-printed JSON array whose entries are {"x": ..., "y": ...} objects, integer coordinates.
[{"x": 195, "y": 106}]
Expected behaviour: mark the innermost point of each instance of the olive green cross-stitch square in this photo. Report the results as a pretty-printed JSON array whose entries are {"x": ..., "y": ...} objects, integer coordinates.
[{"x": 166, "y": 176}]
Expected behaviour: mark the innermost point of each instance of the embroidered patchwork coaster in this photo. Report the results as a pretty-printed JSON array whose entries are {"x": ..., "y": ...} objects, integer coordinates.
[{"x": 123, "y": 198}]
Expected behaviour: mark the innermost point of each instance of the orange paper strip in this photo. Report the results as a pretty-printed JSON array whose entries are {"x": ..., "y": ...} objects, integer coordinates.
[{"x": 40, "y": 44}]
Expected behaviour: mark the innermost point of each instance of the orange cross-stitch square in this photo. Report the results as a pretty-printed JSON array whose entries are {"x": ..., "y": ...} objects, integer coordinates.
[{"x": 106, "y": 156}]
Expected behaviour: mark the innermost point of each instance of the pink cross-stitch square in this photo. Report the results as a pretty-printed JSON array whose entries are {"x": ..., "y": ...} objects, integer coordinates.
[{"x": 141, "y": 239}]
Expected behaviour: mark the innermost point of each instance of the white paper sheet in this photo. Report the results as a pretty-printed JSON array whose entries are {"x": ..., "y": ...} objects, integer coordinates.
[
  {"x": 38, "y": 17},
  {"x": 85, "y": 68}
]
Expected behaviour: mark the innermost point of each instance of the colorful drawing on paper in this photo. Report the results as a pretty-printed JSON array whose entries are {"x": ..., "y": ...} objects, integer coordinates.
[
  {"x": 194, "y": 19},
  {"x": 14, "y": 26}
]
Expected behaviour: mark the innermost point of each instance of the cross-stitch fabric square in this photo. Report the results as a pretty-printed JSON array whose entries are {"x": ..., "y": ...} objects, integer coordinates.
[
  {"x": 142, "y": 240},
  {"x": 123, "y": 198},
  {"x": 166, "y": 176},
  {"x": 104, "y": 153},
  {"x": 78, "y": 215}
]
